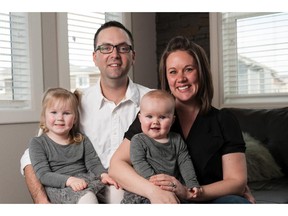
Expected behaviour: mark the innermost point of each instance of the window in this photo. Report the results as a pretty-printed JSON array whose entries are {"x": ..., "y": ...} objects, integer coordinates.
[
  {"x": 79, "y": 33},
  {"x": 82, "y": 81},
  {"x": 20, "y": 67},
  {"x": 253, "y": 57}
]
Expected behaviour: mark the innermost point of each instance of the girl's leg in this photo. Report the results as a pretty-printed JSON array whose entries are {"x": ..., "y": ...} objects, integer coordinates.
[
  {"x": 115, "y": 195},
  {"x": 88, "y": 198}
]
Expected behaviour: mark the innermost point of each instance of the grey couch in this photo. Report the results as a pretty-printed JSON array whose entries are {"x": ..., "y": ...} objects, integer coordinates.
[{"x": 265, "y": 132}]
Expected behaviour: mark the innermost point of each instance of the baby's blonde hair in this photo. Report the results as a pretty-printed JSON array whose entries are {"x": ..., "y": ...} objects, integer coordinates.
[
  {"x": 161, "y": 95},
  {"x": 62, "y": 95}
]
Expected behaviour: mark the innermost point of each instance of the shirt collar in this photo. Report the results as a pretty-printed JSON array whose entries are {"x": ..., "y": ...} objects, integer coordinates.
[
  {"x": 132, "y": 94},
  {"x": 100, "y": 99}
]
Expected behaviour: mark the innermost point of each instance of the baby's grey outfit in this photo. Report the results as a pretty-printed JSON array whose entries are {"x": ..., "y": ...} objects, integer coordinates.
[
  {"x": 150, "y": 157},
  {"x": 54, "y": 164}
]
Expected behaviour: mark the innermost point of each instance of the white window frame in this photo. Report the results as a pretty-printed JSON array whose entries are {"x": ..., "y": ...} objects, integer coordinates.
[
  {"x": 63, "y": 53},
  {"x": 31, "y": 114},
  {"x": 217, "y": 73}
]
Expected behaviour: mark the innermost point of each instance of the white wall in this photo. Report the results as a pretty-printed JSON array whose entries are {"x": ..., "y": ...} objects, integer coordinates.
[{"x": 15, "y": 137}]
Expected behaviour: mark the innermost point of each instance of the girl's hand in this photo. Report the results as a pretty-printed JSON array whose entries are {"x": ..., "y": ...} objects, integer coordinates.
[
  {"x": 106, "y": 179},
  {"x": 76, "y": 184}
]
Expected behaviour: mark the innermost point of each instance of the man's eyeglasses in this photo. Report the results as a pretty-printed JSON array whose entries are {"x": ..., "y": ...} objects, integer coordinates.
[{"x": 108, "y": 48}]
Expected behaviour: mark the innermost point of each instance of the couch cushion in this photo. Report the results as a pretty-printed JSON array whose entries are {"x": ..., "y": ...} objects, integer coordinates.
[
  {"x": 270, "y": 127},
  {"x": 261, "y": 165},
  {"x": 271, "y": 191}
]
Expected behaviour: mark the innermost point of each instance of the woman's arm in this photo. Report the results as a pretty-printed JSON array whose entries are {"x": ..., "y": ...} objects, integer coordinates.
[
  {"x": 234, "y": 180},
  {"x": 121, "y": 170},
  {"x": 234, "y": 177}
]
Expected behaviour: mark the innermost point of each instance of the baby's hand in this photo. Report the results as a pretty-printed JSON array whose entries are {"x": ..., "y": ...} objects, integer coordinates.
[
  {"x": 106, "y": 179},
  {"x": 76, "y": 184},
  {"x": 196, "y": 191}
]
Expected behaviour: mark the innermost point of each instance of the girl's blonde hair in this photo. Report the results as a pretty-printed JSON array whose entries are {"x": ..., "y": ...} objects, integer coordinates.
[{"x": 63, "y": 96}]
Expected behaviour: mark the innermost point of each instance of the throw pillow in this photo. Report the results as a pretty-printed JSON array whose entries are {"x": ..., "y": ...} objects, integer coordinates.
[{"x": 260, "y": 163}]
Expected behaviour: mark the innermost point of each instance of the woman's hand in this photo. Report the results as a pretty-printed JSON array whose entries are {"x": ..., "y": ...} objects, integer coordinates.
[
  {"x": 76, "y": 184},
  {"x": 248, "y": 195},
  {"x": 170, "y": 183}
]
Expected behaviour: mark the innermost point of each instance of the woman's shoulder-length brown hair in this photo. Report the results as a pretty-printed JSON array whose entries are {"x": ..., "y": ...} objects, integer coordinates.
[{"x": 205, "y": 92}]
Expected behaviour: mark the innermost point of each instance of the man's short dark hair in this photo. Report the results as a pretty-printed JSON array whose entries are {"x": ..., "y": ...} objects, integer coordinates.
[{"x": 113, "y": 24}]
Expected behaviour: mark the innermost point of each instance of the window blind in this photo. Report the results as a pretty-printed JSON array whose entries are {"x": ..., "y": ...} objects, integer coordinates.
[
  {"x": 81, "y": 30},
  {"x": 14, "y": 61},
  {"x": 255, "y": 56}
]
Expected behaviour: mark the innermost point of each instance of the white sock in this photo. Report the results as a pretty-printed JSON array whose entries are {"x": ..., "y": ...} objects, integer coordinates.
[
  {"x": 115, "y": 195},
  {"x": 88, "y": 198}
]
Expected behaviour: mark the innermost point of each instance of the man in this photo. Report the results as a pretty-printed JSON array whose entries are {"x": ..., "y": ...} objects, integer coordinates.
[{"x": 108, "y": 108}]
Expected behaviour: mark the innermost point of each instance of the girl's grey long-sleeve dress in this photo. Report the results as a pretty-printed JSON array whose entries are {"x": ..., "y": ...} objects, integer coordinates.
[{"x": 54, "y": 164}]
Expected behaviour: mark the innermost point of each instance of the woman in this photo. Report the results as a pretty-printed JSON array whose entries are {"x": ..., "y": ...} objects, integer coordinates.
[{"x": 213, "y": 136}]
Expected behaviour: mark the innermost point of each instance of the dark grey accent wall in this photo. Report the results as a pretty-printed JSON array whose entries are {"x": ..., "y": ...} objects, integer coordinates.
[{"x": 195, "y": 26}]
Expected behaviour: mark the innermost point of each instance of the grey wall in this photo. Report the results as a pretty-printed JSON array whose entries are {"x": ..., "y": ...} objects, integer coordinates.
[
  {"x": 144, "y": 32},
  {"x": 194, "y": 26}
]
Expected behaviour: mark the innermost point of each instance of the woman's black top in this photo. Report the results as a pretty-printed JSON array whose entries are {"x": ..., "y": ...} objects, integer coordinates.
[{"x": 212, "y": 135}]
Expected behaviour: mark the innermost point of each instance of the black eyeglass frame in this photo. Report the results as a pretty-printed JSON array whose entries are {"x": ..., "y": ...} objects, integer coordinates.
[{"x": 114, "y": 46}]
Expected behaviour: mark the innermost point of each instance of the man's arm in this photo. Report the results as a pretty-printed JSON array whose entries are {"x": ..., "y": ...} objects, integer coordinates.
[{"x": 36, "y": 189}]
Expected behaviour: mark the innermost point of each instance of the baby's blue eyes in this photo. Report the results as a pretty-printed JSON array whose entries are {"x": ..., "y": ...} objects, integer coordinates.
[{"x": 160, "y": 117}]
